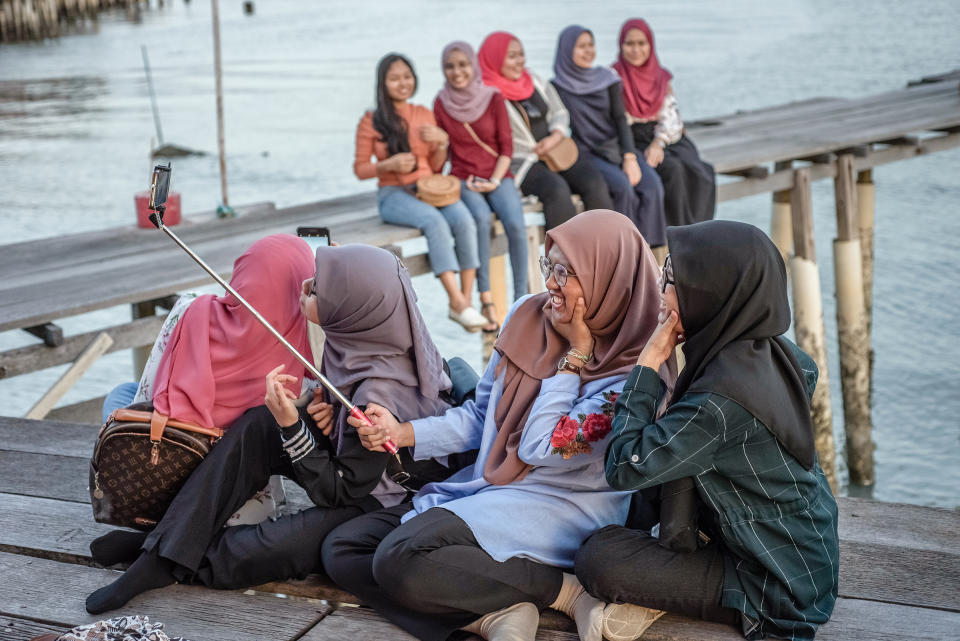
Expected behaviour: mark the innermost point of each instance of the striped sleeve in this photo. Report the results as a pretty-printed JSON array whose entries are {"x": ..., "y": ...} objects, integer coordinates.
[{"x": 297, "y": 441}]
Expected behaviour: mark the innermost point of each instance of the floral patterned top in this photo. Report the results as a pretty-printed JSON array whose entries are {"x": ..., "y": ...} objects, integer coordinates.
[
  {"x": 669, "y": 127},
  {"x": 145, "y": 390}
]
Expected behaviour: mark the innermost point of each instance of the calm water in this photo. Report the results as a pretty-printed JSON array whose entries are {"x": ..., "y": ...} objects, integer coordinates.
[{"x": 76, "y": 129}]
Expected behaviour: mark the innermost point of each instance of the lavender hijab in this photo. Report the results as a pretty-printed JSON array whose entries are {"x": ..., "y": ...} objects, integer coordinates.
[
  {"x": 573, "y": 78},
  {"x": 377, "y": 347},
  {"x": 469, "y": 103}
]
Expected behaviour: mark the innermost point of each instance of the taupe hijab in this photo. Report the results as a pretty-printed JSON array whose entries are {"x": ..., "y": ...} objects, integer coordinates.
[
  {"x": 618, "y": 274},
  {"x": 377, "y": 347}
]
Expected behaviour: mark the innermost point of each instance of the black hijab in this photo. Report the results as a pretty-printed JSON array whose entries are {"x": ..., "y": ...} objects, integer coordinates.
[{"x": 732, "y": 291}]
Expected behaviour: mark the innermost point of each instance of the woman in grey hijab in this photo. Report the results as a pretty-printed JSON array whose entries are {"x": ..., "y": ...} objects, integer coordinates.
[{"x": 377, "y": 349}]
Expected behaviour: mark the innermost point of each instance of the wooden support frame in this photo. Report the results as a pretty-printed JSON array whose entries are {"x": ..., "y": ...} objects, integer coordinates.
[
  {"x": 51, "y": 333},
  {"x": 95, "y": 350}
]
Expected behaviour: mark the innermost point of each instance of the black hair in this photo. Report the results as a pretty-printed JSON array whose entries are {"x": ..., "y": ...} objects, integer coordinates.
[{"x": 386, "y": 120}]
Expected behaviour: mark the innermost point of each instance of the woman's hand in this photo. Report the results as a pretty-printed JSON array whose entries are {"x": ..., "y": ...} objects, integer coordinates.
[
  {"x": 480, "y": 186},
  {"x": 402, "y": 163},
  {"x": 661, "y": 344},
  {"x": 632, "y": 168},
  {"x": 321, "y": 412},
  {"x": 548, "y": 143},
  {"x": 654, "y": 154},
  {"x": 433, "y": 134},
  {"x": 279, "y": 399},
  {"x": 572, "y": 327},
  {"x": 385, "y": 427}
]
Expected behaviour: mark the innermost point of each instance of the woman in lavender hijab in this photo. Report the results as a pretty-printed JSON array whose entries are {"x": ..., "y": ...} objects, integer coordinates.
[
  {"x": 594, "y": 98},
  {"x": 474, "y": 116}
]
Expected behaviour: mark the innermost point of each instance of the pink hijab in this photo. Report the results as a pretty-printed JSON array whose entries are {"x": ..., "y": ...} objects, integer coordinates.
[
  {"x": 215, "y": 364},
  {"x": 644, "y": 87},
  {"x": 469, "y": 103},
  {"x": 492, "y": 53}
]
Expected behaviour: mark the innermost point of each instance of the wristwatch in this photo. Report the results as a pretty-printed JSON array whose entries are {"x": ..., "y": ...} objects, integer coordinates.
[{"x": 566, "y": 365}]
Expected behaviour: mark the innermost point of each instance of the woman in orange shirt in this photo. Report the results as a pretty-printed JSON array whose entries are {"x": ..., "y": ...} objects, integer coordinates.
[{"x": 399, "y": 143}]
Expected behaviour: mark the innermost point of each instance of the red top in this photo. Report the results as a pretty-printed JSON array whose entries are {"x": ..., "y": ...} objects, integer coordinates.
[{"x": 467, "y": 158}]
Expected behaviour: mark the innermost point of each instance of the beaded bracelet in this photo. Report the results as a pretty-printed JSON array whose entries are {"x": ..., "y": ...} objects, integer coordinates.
[{"x": 578, "y": 355}]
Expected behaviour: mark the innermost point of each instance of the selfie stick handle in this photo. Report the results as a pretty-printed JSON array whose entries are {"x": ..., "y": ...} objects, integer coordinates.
[{"x": 353, "y": 409}]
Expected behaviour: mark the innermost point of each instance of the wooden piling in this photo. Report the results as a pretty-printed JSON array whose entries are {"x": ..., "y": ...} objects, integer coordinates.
[
  {"x": 781, "y": 224},
  {"x": 854, "y": 344},
  {"x": 865, "y": 217},
  {"x": 218, "y": 74},
  {"x": 808, "y": 318}
]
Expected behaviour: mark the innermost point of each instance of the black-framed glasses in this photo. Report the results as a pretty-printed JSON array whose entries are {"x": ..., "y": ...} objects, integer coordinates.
[
  {"x": 560, "y": 272},
  {"x": 666, "y": 278}
]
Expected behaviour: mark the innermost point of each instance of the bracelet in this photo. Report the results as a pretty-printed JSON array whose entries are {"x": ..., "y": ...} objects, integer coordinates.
[
  {"x": 574, "y": 352},
  {"x": 494, "y": 181}
]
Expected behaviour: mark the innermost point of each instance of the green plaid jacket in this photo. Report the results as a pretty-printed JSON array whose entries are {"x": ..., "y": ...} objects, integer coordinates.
[{"x": 777, "y": 521}]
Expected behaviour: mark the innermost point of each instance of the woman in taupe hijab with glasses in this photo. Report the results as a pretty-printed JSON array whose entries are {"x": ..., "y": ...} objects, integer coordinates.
[{"x": 489, "y": 547}]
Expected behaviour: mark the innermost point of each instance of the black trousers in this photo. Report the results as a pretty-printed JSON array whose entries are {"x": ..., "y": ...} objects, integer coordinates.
[
  {"x": 554, "y": 189},
  {"x": 620, "y": 565},
  {"x": 430, "y": 576},
  {"x": 191, "y": 533}
]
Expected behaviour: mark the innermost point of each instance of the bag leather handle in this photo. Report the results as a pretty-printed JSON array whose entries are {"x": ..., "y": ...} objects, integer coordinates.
[
  {"x": 141, "y": 416},
  {"x": 158, "y": 422}
]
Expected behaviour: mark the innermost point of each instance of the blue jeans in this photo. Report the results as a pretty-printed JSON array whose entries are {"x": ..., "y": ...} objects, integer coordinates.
[
  {"x": 505, "y": 202},
  {"x": 642, "y": 203},
  {"x": 450, "y": 231},
  {"x": 120, "y": 396}
]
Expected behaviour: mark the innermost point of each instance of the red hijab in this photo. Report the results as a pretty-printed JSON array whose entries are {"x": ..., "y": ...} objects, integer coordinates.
[
  {"x": 215, "y": 364},
  {"x": 644, "y": 87},
  {"x": 492, "y": 53}
]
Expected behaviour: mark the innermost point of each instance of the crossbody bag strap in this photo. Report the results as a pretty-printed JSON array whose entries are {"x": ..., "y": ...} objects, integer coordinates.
[{"x": 476, "y": 138}]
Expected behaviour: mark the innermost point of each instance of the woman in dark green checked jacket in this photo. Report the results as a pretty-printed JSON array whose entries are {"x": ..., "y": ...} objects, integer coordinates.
[{"x": 739, "y": 424}]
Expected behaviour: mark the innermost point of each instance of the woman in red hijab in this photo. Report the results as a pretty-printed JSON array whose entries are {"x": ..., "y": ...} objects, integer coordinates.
[{"x": 689, "y": 189}]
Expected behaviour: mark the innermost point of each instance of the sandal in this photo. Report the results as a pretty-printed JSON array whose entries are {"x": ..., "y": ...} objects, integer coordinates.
[
  {"x": 469, "y": 318},
  {"x": 491, "y": 318}
]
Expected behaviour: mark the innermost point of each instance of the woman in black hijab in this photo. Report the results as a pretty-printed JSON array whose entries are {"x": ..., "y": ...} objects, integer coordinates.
[{"x": 739, "y": 424}]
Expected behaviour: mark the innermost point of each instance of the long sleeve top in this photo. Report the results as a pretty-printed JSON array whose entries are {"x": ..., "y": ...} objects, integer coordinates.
[
  {"x": 523, "y": 139},
  {"x": 546, "y": 515},
  {"x": 669, "y": 127},
  {"x": 598, "y": 122},
  {"x": 467, "y": 157},
  {"x": 777, "y": 520},
  {"x": 370, "y": 144}
]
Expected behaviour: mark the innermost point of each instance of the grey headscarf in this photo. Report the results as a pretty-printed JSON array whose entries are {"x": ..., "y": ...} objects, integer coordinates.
[{"x": 377, "y": 347}]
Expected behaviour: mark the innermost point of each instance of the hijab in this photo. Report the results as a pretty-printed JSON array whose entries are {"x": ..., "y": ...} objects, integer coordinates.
[
  {"x": 572, "y": 77},
  {"x": 469, "y": 103},
  {"x": 731, "y": 287},
  {"x": 377, "y": 347},
  {"x": 644, "y": 86},
  {"x": 219, "y": 355},
  {"x": 492, "y": 53},
  {"x": 618, "y": 274}
]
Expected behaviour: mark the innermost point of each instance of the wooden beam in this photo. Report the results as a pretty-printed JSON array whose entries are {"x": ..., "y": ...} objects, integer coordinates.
[
  {"x": 757, "y": 171},
  {"x": 89, "y": 356},
  {"x": 846, "y": 199},
  {"x": 801, "y": 207},
  {"x": 51, "y": 334}
]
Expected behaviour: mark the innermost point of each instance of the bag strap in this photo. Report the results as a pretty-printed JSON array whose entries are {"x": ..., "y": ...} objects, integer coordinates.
[
  {"x": 476, "y": 138},
  {"x": 127, "y": 415},
  {"x": 158, "y": 422},
  {"x": 526, "y": 118}
]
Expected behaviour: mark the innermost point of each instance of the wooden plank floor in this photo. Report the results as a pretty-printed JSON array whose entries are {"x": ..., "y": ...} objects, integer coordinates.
[{"x": 898, "y": 573}]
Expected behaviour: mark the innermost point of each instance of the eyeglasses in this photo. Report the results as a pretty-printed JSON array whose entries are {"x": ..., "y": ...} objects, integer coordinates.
[
  {"x": 666, "y": 278},
  {"x": 560, "y": 272}
]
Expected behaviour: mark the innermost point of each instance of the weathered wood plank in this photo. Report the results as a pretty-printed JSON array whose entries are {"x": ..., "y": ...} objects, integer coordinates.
[
  {"x": 45, "y": 475},
  {"x": 54, "y": 592},
  {"x": 14, "y": 629},
  {"x": 47, "y": 437},
  {"x": 858, "y": 620}
]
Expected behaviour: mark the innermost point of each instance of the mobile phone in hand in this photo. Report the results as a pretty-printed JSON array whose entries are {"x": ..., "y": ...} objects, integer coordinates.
[{"x": 315, "y": 236}]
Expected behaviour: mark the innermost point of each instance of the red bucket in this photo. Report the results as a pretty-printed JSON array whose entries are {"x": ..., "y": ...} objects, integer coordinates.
[{"x": 171, "y": 215}]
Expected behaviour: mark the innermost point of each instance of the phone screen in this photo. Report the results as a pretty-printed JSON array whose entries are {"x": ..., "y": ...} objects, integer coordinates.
[
  {"x": 315, "y": 236},
  {"x": 159, "y": 186}
]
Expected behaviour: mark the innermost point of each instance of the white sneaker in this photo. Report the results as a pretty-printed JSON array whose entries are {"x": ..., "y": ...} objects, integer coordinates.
[
  {"x": 626, "y": 622},
  {"x": 519, "y": 622},
  {"x": 469, "y": 318}
]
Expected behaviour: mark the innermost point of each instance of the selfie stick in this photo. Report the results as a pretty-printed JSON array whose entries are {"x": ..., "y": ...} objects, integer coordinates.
[{"x": 157, "y": 219}]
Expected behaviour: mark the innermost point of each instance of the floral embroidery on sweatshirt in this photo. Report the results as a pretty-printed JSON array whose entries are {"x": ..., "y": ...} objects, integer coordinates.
[{"x": 571, "y": 437}]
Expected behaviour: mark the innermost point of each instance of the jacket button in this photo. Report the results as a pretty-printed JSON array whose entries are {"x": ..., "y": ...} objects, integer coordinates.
[{"x": 634, "y": 458}]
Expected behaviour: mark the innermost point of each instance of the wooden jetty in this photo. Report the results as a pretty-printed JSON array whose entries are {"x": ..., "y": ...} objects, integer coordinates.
[
  {"x": 899, "y": 563},
  {"x": 38, "y": 19}
]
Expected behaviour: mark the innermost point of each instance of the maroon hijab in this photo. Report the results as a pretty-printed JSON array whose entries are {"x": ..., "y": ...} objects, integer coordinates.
[
  {"x": 644, "y": 87},
  {"x": 618, "y": 274}
]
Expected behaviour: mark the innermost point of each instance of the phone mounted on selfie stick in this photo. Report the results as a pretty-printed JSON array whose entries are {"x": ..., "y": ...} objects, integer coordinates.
[{"x": 158, "y": 198}]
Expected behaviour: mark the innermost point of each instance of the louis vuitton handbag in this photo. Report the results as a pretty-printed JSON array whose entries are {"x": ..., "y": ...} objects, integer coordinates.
[{"x": 141, "y": 460}]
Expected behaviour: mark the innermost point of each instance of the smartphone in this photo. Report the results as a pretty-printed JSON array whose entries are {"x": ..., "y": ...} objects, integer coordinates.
[
  {"x": 315, "y": 236},
  {"x": 160, "y": 187}
]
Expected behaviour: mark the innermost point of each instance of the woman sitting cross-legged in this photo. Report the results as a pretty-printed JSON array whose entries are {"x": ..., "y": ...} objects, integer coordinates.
[
  {"x": 377, "y": 349},
  {"x": 739, "y": 424},
  {"x": 540, "y": 123},
  {"x": 594, "y": 98},
  {"x": 488, "y": 547},
  {"x": 398, "y": 143},
  {"x": 689, "y": 189},
  {"x": 481, "y": 145}
]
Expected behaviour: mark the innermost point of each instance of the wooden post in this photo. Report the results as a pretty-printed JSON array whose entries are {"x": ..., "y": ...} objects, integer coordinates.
[
  {"x": 142, "y": 353},
  {"x": 808, "y": 318},
  {"x": 852, "y": 328},
  {"x": 781, "y": 225},
  {"x": 215, "y": 7},
  {"x": 865, "y": 213},
  {"x": 535, "y": 280},
  {"x": 95, "y": 350}
]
